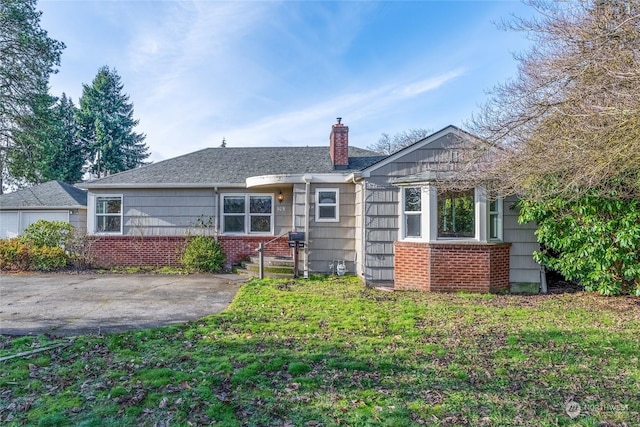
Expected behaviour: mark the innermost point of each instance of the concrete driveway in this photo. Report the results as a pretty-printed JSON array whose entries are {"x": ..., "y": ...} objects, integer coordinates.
[{"x": 74, "y": 304}]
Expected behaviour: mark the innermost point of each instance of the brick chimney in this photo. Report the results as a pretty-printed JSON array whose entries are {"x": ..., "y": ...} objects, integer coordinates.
[{"x": 339, "y": 145}]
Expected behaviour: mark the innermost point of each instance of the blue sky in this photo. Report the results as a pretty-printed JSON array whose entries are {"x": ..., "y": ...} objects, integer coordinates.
[{"x": 279, "y": 73}]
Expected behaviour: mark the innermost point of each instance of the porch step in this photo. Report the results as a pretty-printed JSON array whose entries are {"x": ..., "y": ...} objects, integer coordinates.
[
  {"x": 274, "y": 267},
  {"x": 273, "y": 261}
]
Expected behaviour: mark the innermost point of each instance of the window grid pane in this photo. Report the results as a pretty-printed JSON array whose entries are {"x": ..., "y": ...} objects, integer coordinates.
[
  {"x": 260, "y": 204},
  {"x": 234, "y": 223},
  {"x": 412, "y": 199},
  {"x": 327, "y": 197},
  {"x": 233, "y": 204},
  {"x": 327, "y": 212},
  {"x": 493, "y": 226},
  {"x": 260, "y": 224},
  {"x": 108, "y": 224},
  {"x": 456, "y": 214},
  {"x": 412, "y": 225}
]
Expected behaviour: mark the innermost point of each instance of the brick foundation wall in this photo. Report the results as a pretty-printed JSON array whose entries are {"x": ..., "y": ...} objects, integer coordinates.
[
  {"x": 238, "y": 247},
  {"x": 411, "y": 266},
  {"x": 451, "y": 267},
  {"x": 160, "y": 251}
]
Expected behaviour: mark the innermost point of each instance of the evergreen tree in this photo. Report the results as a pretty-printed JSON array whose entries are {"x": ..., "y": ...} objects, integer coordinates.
[
  {"x": 27, "y": 58},
  {"x": 32, "y": 130},
  {"x": 65, "y": 151},
  {"x": 46, "y": 145},
  {"x": 105, "y": 126}
]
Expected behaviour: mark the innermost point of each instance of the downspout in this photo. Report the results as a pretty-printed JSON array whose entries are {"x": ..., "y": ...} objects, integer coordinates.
[
  {"x": 216, "y": 214},
  {"x": 307, "y": 188},
  {"x": 355, "y": 179}
]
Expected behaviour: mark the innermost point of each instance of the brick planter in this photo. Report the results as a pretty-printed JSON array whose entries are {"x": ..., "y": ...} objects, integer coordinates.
[{"x": 451, "y": 267}]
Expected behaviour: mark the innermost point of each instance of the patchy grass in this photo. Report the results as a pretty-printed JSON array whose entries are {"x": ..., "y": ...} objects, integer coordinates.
[{"x": 332, "y": 353}]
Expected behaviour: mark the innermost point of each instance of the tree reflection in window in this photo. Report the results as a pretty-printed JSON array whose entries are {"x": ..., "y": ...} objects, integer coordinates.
[{"x": 456, "y": 214}]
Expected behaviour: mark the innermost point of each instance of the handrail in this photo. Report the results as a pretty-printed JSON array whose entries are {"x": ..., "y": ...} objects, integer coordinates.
[
  {"x": 260, "y": 251},
  {"x": 263, "y": 245}
]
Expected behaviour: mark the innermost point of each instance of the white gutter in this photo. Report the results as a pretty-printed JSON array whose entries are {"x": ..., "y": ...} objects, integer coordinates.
[
  {"x": 42, "y": 208},
  {"x": 116, "y": 186},
  {"x": 325, "y": 178},
  {"x": 216, "y": 213}
]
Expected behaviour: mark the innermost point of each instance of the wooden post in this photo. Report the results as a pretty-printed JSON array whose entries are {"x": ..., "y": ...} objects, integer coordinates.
[{"x": 295, "y": 260}]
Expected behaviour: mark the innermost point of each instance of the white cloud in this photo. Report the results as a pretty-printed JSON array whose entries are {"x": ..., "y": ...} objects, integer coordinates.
[
  {"x": 429, "y": 84},
  {"x": 310, "y": 125}
]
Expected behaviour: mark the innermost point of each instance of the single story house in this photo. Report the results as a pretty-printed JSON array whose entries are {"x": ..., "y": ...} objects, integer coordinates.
[
  {"x": 383, "y": 217},
  {"x": 51, "y": 201}
]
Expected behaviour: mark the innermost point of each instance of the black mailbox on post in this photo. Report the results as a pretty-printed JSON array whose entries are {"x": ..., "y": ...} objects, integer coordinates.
[
  {"x": 296, "y": 236},
  {"x": 296, "y": 241}
]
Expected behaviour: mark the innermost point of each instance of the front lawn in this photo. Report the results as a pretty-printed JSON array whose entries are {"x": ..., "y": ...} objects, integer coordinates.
[{"x": 330, "y": 352}]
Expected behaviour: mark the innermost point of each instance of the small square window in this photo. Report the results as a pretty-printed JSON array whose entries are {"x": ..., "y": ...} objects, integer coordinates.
[
  {"x": 327, "y": 205},
  {"x": 108, "y": 214}
]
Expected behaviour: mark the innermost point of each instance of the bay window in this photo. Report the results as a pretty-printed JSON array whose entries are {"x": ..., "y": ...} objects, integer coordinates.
[{"x": 427, "y": 214}]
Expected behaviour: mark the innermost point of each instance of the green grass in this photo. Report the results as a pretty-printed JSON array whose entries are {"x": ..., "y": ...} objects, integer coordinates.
[{"x": 330, "y": 352}]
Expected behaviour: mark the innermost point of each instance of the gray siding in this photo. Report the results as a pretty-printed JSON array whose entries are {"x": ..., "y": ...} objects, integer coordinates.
[
  {"x": 380, "y": 230},
  {"x": 328, "y": 241},
  {"x": 176, "y": 212},
  {"x": 381, "y": 216},
  {"x": 167, "y": 212},
  {"x": 333, "y": 241},
  {"x": 434, "y": 156},
  {"x": 78, "y": 218},
  {"x": 523, "y": 243},
  {"x": 359, "y": 239}
]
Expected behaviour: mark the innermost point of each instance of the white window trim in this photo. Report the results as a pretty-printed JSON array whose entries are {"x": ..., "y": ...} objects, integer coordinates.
[
  {"x": 424, "y": 224},
  {"x": 93, "y": 216},
  {"x": 247, "y": 215},
  {"x": 429, "y": 220},
  {"x": 500, "y": 214},
  {"x": 336, "y": 205}
]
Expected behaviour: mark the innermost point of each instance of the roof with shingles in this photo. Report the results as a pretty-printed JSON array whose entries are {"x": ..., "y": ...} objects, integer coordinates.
[
  {"x": 236, "y": 164},
  {"x": 51, "y": 194}
]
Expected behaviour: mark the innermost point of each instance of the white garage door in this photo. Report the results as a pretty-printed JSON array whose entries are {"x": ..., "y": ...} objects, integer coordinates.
[
  {"x": 8, "y": 224},
  {"x": 12, "y": 224}
]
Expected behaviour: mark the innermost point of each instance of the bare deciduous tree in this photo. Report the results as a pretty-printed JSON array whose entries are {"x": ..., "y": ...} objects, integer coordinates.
[
  {"x": 569, "y": 123},
  {"x": 390, "y": 144}
]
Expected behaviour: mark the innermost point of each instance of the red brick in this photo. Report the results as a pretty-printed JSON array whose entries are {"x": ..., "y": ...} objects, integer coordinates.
[{"x": 451, "y": 267}]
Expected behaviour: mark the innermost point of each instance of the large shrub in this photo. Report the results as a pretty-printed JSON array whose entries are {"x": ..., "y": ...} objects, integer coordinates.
[
  {"x": 47, "y": 233},
  {"x": 40, "y": 248},
  {"x": 16, "y": 255},
  {"x": 593, "y": 240},
  {"x": 203, "y": 253},
  {"x": 47, "y": 258}
]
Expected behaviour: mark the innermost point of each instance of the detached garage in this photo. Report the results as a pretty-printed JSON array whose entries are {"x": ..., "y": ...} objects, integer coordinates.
[{"x": 51, "y": 201}]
